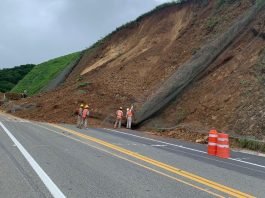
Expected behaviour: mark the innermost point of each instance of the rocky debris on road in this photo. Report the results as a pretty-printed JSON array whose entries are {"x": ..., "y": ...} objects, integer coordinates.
[
  {"x": 132, "y": 64},
  {"x": 12, "y": 108},
  {"x": 184, "y": 133},
  {"x": 202, "y": 140}
]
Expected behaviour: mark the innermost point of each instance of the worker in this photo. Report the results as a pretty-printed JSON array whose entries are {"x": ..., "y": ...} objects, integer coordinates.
[
  {"x": 129, "y": 115},
  {"x": 79, "y": 116},
  {"x": 119, "y": 115},
  {"x": 85, "y": 116}
]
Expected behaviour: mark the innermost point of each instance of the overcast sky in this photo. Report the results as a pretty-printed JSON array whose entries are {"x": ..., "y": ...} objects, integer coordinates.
[{"x": 33, "y": 31}]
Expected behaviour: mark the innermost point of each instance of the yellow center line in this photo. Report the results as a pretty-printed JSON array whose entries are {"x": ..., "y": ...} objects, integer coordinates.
[
  {"x": 134, "y": 162},
  {"x": 159, "y": 164}
]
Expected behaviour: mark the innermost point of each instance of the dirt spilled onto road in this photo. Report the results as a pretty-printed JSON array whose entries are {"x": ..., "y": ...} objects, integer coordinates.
[{"x": 132, "y": 63}]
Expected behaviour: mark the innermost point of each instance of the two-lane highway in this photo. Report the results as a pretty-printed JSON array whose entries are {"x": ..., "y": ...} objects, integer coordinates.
[{"x": 44, "y": 160}]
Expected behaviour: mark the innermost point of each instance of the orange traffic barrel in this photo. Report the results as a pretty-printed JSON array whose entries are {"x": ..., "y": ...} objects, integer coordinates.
[
  {"x": 212, "y": 142},
  {"x": 223, "y": 149}
]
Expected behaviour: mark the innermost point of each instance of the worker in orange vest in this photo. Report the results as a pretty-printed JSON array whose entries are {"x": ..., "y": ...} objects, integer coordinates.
[
  {"x": 129, "y": 115},
  {"x": 79, "y": 116},
  {"x": 85, "y": 116},
  {"x": 119, "y": 115}
]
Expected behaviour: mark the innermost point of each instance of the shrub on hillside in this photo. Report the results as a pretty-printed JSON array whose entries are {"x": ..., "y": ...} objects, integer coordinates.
[
  {"x": 220, "y": 3},
  {"x": 82, "y": 84},
  {"x": 251, "y": 144},
  {"x": 11, "y": 76},
  {"x": 211, "y": 23}
]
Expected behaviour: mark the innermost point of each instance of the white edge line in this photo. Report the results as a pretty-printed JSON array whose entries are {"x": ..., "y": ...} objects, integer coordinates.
[
  {"x": 54, "y": 190},
  {"x": 180, "y": 146},
  {"x": 41, "y": 126},
  {"x": 119, "y": 157},
  {"x": 187, "y": 148},
  {"x": 250, "y": 163}
]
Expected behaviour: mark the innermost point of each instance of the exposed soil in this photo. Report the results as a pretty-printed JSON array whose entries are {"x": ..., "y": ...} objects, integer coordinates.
[
  {"x": 130, "y": 66},
  {"x": 231, "y": 94}
]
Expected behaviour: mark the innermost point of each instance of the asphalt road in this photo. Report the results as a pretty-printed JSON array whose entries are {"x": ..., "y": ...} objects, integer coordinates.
[{"x": 43, "y": 160}]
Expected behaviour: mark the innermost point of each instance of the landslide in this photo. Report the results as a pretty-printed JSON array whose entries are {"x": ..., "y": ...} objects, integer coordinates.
[
  {"x": 193, "y": 68},
  {"x": 129, "y": 66},
  {"x": 230, "y": 94}
]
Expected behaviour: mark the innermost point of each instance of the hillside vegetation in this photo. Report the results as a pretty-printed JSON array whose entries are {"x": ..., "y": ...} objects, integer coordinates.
[
  {"x": 131, "y": 64},
  {"x": 11, "y": 76},
  {"x": 43, "y": 73}
]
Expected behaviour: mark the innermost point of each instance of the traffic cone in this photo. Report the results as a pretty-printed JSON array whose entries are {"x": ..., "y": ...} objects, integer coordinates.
[
  {"x": 223, "y": 149},
  {"x": 212, "y": 142}
]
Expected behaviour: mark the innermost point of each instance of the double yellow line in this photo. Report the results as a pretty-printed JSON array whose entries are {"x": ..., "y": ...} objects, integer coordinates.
[{"x": 185, "y": 174}]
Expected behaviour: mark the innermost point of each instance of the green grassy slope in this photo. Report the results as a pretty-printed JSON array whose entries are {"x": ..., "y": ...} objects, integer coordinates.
[
  {"x": 11, "y": 76},
  {"x": 43, "y": 73}
]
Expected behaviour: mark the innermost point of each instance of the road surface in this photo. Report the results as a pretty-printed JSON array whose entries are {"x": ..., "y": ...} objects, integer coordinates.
[{"x": 44, "y": 160}]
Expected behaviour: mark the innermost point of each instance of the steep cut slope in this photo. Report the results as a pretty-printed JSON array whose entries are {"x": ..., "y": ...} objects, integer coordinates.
[
  {"x": 231, "y": 96},
  {"x": 132, "y": 63},
  {"x": 196, "y": 66}
]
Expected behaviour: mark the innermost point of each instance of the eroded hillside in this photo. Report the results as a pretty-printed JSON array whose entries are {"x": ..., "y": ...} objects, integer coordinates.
[
  {"x": 231, "y": 94},
  {"x": 133, "y": 62}
]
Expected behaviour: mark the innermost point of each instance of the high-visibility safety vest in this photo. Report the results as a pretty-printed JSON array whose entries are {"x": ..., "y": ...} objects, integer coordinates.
[
  {"x": 85, "y": 113},
  {"x": 119, "y": 114},
  {"x": 129, "y": 113}
]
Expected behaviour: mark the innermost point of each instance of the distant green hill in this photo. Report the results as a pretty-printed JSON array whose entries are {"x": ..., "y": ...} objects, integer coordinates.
[
  {"x": 11, "y": 76},
  {"x": 43, "y": 73}
]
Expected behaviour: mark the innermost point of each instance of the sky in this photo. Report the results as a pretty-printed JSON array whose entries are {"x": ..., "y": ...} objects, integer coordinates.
[{"x": 34, "y": 31}]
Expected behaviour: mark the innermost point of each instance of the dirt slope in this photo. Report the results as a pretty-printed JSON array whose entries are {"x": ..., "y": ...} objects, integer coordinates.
[
  {"x": 130, "y": 66},
  {"x": 231, "y": 95}
]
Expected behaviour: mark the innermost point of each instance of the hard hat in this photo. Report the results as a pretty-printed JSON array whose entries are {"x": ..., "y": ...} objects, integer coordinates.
[
  {"x": 81, "y": 105},
  {"x": 86, "y": 106},
  {"x": 120, "y": 108}
]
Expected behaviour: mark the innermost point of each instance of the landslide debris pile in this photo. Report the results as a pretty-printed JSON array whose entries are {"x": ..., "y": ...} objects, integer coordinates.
[
  {"x": 230, "y": 94},
  {"x": 198, "y": 63},
  {"x": 133, "y": 64}
]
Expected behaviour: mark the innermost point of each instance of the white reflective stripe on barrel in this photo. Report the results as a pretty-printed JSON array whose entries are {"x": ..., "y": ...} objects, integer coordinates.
[
  {"x": 223, "y": 139},
  {"x": 212, "y": 144},
  {"x": 222, "y": 146},
  {"x": 213, "y": 135}
]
